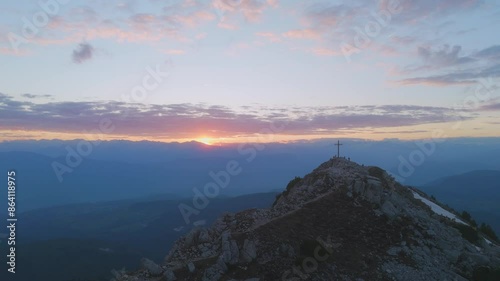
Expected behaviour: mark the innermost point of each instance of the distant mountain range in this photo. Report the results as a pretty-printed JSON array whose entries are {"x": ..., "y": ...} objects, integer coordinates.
[
  {"x": 99, "y": 180},
  {"x": 477, "y": 192},
  {"x": 117, "y": 170},
  {"x": 107, "y": 235}
]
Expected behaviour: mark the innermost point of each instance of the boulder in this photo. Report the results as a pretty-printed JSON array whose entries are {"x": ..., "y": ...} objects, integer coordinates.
[
  {"x": 191, "y": 267},
  {"x": 249, "y": 251},
  {"x": 235, "y": 253},
  {"x": 204, "y": 237},
  {"x": 191, "y": 238},
  {"x": 389, "y": 209},
  {"x": 151, "y": 267},
  {"x": 169, "y": 275}
]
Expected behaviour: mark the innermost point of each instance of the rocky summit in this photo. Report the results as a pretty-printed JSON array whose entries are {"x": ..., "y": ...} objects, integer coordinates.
[{"x": 343, "y": 221}]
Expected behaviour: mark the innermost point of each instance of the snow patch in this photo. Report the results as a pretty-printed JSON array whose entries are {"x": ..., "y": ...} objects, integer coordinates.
[
  {"x": 488, "y": 241},
  {"x": 437, "y": 209}
]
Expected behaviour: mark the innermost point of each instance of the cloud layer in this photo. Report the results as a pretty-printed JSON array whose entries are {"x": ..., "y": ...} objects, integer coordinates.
[
  {"x": 322, "y": 28},
  {"x": 192, "y": 120},
  {"x": 450, "y": 67}
]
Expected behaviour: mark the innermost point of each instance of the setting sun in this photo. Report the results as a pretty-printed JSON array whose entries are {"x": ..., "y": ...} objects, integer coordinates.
[{"x": 207, "y": 141}]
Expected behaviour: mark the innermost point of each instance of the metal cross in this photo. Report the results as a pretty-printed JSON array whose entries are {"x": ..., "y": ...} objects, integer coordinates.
[{"x": 338, "y": 144}]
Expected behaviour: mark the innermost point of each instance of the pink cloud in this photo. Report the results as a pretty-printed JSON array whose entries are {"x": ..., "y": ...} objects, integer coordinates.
[
  {"x": 310, "y": 34},
  {"x": 83, "y": 23},
  {"x": 195, "y": 18},
  {"x": 273, "y": 37},
  {"x": 227, "y": 25},
  {"x": 175, "y": 52},
  {"x": 11, "y": 52},
  {"x": 251, "y": 10},
  {"x": 321, "y": 51}
]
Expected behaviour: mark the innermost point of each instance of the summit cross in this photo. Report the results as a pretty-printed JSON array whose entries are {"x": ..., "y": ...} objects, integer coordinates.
[{"x": 338, "y": 144}]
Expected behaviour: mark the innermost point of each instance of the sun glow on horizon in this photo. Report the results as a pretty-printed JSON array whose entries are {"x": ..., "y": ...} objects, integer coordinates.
[
  {"x": 206, "y": 140},
  {"x": 415, "y": 132}
]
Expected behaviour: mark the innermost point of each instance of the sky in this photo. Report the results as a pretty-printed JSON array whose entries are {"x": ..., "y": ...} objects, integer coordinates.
[{"x": 220, "y": 71}]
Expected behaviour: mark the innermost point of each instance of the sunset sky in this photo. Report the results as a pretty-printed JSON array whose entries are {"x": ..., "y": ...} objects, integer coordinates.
[{"x": 249, "y": 70}]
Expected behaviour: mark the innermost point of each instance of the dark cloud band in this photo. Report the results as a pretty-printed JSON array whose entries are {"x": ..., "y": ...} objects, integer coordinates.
[{"x": 186, "y": 120}]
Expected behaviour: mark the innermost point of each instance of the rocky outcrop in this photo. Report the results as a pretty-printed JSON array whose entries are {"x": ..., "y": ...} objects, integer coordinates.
[
  {"x": 248, "y": 252},
  {"x": 343, "y": 221},
  {"x": 151, "y": 267}
]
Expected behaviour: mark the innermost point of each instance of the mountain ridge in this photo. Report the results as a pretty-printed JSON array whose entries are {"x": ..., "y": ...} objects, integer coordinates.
[
  {"x": 482, "y": 173},
  {"x": 477, "y": 192},
  {"x": 343, "y": 221}
]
